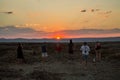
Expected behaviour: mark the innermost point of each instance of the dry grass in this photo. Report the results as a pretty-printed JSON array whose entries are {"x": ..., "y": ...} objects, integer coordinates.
[{"x": 56, "y": 67}]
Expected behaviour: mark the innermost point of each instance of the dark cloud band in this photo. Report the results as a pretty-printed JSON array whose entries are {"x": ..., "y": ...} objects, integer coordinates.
[{"x": 18, "y": 32}]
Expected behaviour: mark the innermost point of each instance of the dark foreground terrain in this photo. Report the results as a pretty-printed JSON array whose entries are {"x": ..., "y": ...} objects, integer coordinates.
[{"x": 59, "y": 66}]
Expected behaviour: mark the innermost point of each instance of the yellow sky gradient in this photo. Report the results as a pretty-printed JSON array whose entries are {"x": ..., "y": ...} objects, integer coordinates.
[{"x": 57, "y": 15}]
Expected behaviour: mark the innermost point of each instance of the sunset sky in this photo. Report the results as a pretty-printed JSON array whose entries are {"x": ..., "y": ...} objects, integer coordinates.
[{"x": 64, "y": 18}]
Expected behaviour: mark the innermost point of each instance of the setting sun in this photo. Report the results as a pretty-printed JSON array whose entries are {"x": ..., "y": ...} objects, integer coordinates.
[{"x": 58, "y": 37}]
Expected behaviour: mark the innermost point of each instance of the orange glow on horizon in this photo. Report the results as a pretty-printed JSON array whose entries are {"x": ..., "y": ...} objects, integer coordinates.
[{"x": 58, "y": 37}]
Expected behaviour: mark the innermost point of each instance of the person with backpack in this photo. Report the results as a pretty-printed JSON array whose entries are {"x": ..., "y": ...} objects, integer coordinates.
[{"x": 85, "y": 52}]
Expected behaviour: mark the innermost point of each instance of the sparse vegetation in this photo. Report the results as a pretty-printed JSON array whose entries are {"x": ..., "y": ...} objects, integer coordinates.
[{"x": 58, "y": 69}]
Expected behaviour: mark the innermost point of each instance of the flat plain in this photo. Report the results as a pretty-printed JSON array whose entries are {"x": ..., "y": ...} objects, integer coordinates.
[{"x": 59, "y": 66}]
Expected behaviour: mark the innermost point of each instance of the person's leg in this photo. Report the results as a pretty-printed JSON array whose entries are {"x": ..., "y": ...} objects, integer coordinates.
[
  {"x": 99, "y": 55},
  {"x": 46, "y": 55},
  {"x": 82, "y": 59},
  {"x": 61, "y": 54},
  {"x": 70, "y": 56},
  {"x": 18, "y": 61},
  {"x": 43, "y": 57},
  {"x": 86, "y": 60},
  {"x": 23, "y": 60},
  {"x": 94, "y": 58},
  {"x": 84, "y": 63},
  {"x": 57, "y": 55}
]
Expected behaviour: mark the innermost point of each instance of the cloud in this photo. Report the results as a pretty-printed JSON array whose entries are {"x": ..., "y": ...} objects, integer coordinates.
[
  {"x": 94, "y": 10},
  {"x": 108, "y": 12},
  {"x": 86, "y": 21},
  {"x": 91, "y": 33},
  {"x": 105, "y": 14},
  {"x": 14, "y": 32},
  {"x": 97, "y": 9},
  {"x": 10, "y": 12},
  {"x": 83, "y": 10},
  {"x": 13, "y": 29},
  {"x": 18, "y": 32}
]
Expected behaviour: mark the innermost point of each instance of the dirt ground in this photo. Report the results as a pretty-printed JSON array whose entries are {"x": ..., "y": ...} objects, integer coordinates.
[{"x": 58, "y": 66}]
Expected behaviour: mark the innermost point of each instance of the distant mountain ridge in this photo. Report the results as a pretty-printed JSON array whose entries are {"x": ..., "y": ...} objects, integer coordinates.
[{"x": 108, "y": 39}]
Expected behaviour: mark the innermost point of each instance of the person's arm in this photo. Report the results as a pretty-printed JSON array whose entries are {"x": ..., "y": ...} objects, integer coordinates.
[
  {"x": 46, "y": 49},
  {"x": 88, "y": 48},
  {"x": 81, "y": 48}
]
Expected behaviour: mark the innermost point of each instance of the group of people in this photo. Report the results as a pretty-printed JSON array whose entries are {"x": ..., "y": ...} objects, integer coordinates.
[{"x": 85, "y": 50}]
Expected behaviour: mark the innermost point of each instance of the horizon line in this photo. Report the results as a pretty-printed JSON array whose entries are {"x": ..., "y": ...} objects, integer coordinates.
[{"x": 64, "y": 38}]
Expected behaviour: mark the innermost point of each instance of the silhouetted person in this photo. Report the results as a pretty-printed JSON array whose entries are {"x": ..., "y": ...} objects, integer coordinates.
[
  {"x": 85, "y": 52},
  {"x": 20, "y": 56},
  {"x": 34, "y": 52},
  {"x": 44, "y": 52},
  {"x": 70, "y": 49},
  {"x": 98, "y": 51},
  {"x": 58, "y": 49}
]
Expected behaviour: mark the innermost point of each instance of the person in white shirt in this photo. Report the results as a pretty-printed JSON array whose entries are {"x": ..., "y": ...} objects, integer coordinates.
[{"x": 85, "y": 52}]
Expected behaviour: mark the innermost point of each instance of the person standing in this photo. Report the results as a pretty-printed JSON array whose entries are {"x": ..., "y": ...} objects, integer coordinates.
[
  {"x": 85, "y": 52},
  {"x": 98, "y": 51},
  {"x": 58, "y": 49},
  {"x": 70, "y": 49},
  {"x": 44, "y": 52},
  {"x": 20, "y": 56}
]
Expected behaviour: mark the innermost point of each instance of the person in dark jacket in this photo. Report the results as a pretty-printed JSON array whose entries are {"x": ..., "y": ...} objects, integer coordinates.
[
  {"x": 20, "y": 56},
  {"x": 44, "y": 51},
  {"x": 70, "y": 49},
  {"x": 98, "y": 51}
]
